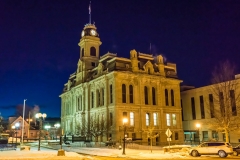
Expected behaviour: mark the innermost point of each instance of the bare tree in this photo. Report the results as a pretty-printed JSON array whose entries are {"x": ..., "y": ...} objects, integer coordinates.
[
  {"x": 151, "y": 133},
  {"x": 30, "y": 112},
  {"x": 81, "y": 129},
  {"x": 97, "y": 127},
  {"x": 1, "y": 127},
  {"x": 224, "y": 99},
  {"x": 19, "y": 110}
]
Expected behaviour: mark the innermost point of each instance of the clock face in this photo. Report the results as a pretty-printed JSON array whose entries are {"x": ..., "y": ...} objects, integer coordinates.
[
  {"x": 93, "y": 32},
  {"x": 83, "y": 33}
]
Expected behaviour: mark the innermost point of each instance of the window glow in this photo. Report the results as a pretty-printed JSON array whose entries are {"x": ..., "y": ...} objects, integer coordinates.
[
  {"x": 155, "y": 119},
  {"x": 174, "y": 121},
  {"x": 131, "y": 119},
  {"x": 168, "y": 120},
  {"x": 147, "y": 119}
]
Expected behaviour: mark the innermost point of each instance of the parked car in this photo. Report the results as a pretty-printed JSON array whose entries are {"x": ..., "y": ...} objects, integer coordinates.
[
  {"x": 236, "y": 150},
  {"x": 212, "y": 148}
]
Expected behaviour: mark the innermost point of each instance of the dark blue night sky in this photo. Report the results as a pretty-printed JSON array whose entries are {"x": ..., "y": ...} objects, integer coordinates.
[{"x": 39, "y": 41}]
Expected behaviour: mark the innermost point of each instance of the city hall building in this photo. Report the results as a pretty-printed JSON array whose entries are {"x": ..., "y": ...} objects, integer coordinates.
[{"x": 105, "y": 89}]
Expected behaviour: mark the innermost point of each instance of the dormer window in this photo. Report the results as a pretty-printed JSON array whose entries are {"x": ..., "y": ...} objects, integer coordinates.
[{"x": 93, "y": 51}]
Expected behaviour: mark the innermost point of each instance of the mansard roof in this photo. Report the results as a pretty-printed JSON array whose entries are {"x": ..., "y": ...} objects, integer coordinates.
[{"x": 109, "y": 62}]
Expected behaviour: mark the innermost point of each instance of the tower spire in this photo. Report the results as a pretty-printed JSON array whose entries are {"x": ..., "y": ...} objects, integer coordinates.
[{"x": 89, "y": 8}]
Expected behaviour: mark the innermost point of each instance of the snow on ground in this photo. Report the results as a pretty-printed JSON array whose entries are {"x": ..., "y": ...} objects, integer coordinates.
[
  {"x": 88, "y": 153},
  {"x": 71, "y": 154},
  {"x": 44, "y": 154}
]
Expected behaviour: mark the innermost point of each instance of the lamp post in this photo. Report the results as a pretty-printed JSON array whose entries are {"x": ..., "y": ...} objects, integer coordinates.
[
  {"x": 23, "y": 120},
  {"x": 40, "y": 118},
  {"x": 56, "y": 128},
  {"x": 125, "y": 120},
  {"x": 198, "y": 127}
]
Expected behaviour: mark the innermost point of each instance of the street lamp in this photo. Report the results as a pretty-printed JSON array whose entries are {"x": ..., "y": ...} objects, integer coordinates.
[
  {"x": 125, "y": 120},
  {"x": 40, "y": 118},
  {"x": 198, "y": 127},
  {"x": 23, "y": 119}
]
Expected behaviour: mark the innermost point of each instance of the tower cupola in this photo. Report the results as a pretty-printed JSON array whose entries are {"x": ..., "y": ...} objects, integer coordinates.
[{"x": 90, "y": 30}]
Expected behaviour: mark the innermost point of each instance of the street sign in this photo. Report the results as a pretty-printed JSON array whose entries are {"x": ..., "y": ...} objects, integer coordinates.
[
  {"x": 169, "y": 139},
  {"x": 168, "y": 133}
]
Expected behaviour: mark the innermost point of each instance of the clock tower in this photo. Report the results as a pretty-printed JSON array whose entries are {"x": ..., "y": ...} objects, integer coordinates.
[{"x": 89, "y": 51}]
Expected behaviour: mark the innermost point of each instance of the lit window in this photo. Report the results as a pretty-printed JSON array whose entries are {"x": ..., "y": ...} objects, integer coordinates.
[
  {"x": 147, "y": 119},
  {"x": 174, "y": 119},
  {"x": 168, "y": 120},
  {"x": 131, "y": 119},
  {"x": 155, "y": 119}
]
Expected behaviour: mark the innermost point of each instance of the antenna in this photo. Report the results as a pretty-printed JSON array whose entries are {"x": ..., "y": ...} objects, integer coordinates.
[{"x": 89, "y": 8}]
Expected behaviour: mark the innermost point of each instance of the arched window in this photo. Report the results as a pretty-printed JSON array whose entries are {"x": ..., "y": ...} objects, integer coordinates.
[
  {"x": 123, "y": 93},
  {"x": 131, "y": 118},
  {"x": 147, "y": 119},
  {"x": 131, "y": 93},
  {"x": 111, "y": 94},
  {"x": 82, "y": 52},
  {"x": 102, "y": 96},
  {"x": 146, "y": 94},
  {"x": 92, "y": 99},
  {"x": 153, "y": 96},
  {"x": 80, "y": 103},
  {"x": 172, "y": 97},
  {"x": 98, "y": 98},
  {"x": 166, "y": 97},
  {"x": 111, "y": 119},
  {"x": 93, "y": 51}
]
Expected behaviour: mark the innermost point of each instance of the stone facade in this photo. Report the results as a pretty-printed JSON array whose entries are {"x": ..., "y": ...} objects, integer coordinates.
[{"x": 144, "y": 89}]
